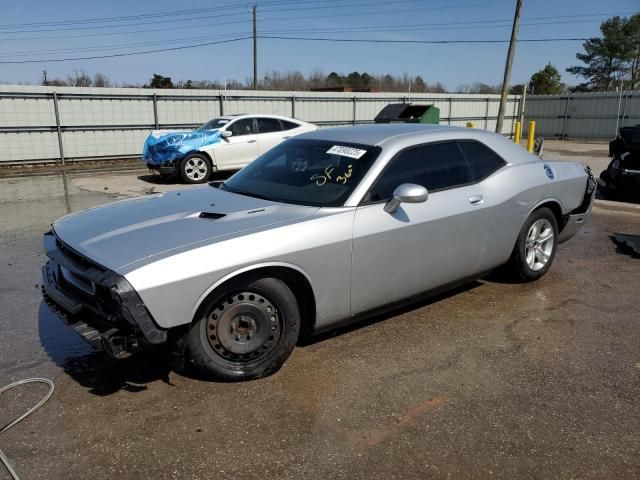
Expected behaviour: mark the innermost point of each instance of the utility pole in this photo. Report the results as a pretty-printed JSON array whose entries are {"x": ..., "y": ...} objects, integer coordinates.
[
  {"x": 255, "y": 49},
  {"x": 507, "y": 67}
]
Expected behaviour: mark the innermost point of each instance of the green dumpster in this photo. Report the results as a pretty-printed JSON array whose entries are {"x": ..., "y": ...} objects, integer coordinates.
[{"x": 408, "y": 113}]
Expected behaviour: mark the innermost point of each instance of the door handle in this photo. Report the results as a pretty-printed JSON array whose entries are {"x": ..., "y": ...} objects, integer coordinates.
[
  {"x": 251, "y": 141},
  {"x": 288, "y": 136},
  {"x": 476, "y": 199}
]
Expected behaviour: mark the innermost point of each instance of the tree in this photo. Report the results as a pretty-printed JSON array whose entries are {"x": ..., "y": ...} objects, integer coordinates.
[
  {"x": 79, "y": 78},
  {"x": 479, "y": 87},
  {"x": 633, "y": 34},
  {"x": 419, "y": 85},
  {"x": 158, "y": 81},
  {"x": 612, "y": 58},
  {"x": 546, "y": 81},
  {"x": 354, "y": 80},
  {"x": 517, "y": 89},
  {"x": 101, "y": 80},
  {"x": 334, "y": 80},
  {"x": 436, "y": 88}
]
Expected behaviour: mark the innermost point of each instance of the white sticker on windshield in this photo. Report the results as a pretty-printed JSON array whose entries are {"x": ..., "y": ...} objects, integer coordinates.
[
  {"x": 222, "y": 122},
  {"x": 346, "y": 151}
]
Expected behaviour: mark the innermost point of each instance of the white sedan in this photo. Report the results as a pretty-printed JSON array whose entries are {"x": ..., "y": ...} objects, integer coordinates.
[{"x": 225, "y": 143}]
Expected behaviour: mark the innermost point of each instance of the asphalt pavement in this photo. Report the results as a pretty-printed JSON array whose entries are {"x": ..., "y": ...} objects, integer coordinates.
[{"x": 494, "y": 379}]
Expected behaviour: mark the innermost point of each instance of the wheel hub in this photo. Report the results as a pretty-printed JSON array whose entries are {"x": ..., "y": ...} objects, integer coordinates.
[
  {"x": 539, "y": 244},
  {"x": 195, "y": 168},
  {"x": 243, "y": 326}
]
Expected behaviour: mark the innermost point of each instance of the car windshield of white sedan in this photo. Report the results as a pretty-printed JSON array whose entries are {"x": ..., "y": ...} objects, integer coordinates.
[
  {"x": 305, "y": 172},
  {"x": 213, "y": 124}
]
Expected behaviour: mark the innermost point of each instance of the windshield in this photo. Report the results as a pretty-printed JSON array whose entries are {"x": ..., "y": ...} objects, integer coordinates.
[
  {"x": 213, "y": 124},
  {"x": 305, "y": 172}
]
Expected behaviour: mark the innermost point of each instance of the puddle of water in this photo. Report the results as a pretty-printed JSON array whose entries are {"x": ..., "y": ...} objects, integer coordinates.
[{"x": 59, "y": 341}]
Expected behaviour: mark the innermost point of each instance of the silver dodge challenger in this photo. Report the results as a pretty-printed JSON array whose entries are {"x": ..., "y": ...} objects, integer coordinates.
[{"x": 328, "y": 227}]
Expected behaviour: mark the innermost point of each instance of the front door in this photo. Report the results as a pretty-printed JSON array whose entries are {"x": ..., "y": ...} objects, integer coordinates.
[
  {"x": 420, "y": 246},
  {"x": 239, "y": 149}
]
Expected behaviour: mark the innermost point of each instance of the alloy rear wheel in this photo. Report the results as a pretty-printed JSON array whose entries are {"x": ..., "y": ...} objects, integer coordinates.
[{"x": 535, "y": 247}]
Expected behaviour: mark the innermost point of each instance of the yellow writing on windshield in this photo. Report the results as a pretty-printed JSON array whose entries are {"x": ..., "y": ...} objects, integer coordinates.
[{"x": 345, "y": 176}]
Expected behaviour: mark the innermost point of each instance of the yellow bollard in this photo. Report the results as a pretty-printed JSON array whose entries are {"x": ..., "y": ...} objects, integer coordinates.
[
  {"x": 532, "y": 133},
  {"x": 517, "y": 134},
  {"x": 471, "y": 125}
]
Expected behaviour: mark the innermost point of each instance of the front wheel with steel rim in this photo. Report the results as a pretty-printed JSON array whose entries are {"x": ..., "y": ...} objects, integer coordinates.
[
  {"x": 535, "y": 248},
  {"x": 196, "y": 168},
  {"x": 245, "y": 330}
]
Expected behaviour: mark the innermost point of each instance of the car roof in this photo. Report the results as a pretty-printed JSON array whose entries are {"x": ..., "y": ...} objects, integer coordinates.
[
  {"x": 236, "y": 116},
  {"x": 375, "y": 134},
  {"x": 403, "y": 135}
]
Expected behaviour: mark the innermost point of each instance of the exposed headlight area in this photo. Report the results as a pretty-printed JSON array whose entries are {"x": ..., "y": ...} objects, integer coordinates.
[{"x": 98, "y": 303}]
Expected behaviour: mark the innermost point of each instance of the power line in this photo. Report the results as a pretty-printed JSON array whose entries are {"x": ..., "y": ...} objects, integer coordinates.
[
  {"x": 430, "y": 27},
  {"x": 120, "y": 45},
  {"x": 128, "y": 32},
  {"x": 364, "y": 29},
  {"x": 51, "y": 60},
  {"x": 269, "y": 37},
  {"x": 380, "y": 2},
  {"x": 479, "y": 24},
  {"x": 373, "y": 27},
  {"x": 435, "y": 42},
  {"x": 199, "y": 16},
  {"x": 157, "y": 15}
]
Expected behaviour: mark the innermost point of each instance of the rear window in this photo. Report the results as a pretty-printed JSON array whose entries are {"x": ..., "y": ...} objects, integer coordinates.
[
  {"x": 482, "y": 159},
  {"x": 287, "y": 125},
  {"x": 268, "y": 125}
]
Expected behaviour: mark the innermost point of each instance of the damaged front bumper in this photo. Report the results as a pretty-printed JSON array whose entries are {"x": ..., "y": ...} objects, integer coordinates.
[
  {"x": 96, "y": 302},
  {"x": 168, "y": 168},
  {"x": 573, "y": 222}
]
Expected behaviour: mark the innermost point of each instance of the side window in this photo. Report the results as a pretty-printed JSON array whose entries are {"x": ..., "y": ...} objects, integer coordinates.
[
  {"x": 242, "y": 127},
  {"x": 482, "y": 159},
  {"x": 287, "y": 125},
  {"x": 437, "y": 167},
  {"x": 268, "y": 125}
]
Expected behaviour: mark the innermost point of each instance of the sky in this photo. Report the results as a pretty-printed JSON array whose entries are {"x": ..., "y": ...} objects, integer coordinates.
[{"x": 81, "y": 28}]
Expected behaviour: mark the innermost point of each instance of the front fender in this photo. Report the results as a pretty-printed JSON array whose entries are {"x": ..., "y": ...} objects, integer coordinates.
[{"x": 247, "y": 269}]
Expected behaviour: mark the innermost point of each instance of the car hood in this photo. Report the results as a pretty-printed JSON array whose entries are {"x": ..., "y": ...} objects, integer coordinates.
[
  {"x": 118, "y": 234},
  {"x": 164, "y": 146}
]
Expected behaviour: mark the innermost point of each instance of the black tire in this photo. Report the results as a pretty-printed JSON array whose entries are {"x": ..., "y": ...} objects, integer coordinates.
[
  {"x": 196, "y": 168},
  {"x": 517, "y": 265},
  {"x": 606, "y": 187},
  {"x": 246, "y": 330}
]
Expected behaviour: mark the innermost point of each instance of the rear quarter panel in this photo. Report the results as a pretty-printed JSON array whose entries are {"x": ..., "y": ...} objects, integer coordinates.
[{"x": 517, "y": 190}]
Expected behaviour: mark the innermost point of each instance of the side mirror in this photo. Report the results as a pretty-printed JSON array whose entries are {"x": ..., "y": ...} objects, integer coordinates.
[
  {"x": 406, "y": 193},
  {"x": 226, "y": 133}
]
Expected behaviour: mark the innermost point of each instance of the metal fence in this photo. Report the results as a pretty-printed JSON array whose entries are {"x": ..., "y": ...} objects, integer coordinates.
[
  {"x": 582, "y": 116},
  {"x": 63, "y": 124}
]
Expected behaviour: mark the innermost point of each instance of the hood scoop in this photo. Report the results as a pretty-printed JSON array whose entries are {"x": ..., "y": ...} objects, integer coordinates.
[{"x": 211, "y": 215}]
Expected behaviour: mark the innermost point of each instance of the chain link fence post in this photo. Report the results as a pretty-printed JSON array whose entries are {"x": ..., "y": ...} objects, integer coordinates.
[
  {"x": 155, "y": 110},
  {"x": 56, "y": 109}
]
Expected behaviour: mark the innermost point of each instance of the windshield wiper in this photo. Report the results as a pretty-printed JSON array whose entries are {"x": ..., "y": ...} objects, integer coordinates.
[{"x": 250, "y": 194}]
